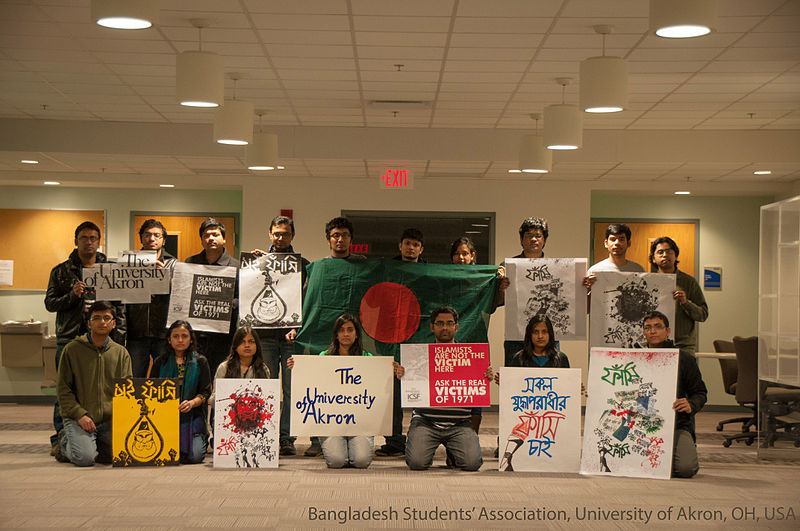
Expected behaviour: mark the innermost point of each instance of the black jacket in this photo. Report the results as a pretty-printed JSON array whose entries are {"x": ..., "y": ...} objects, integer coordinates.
[
  {"x": 71, "y": 309},
  {"x": 555, "y": 359},
  {"x": 150, "y": 320},
  {"x": 690, "y": 386}
]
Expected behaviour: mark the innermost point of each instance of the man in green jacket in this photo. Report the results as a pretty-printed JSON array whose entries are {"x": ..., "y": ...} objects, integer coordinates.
[{"x": 89, "y": 365}]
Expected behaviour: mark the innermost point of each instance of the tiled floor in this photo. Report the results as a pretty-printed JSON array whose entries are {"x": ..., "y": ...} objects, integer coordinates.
[{"x": 38, "y": 492}]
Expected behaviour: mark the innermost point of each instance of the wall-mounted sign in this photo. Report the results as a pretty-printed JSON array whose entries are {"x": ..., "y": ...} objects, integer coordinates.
[
  {"x": 712, "y": 277},
  {"x": 359, "y": 248},
  {"x": 397, "y": 179}
]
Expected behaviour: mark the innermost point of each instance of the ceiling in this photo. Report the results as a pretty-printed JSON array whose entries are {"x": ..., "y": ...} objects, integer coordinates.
[{"x": 715, "y": 108}]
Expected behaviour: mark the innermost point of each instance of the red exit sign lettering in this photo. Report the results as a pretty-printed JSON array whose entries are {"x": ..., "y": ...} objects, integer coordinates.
[
  {"x": 359, "y": 248},
  {"x": 397, "y": 179}
]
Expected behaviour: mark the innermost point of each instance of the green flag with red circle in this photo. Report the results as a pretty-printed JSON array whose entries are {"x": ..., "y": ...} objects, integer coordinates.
[{"x": 393, "y": 301}]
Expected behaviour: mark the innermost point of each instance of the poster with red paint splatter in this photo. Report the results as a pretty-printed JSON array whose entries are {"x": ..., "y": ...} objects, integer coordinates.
[
  {"x": 629, "y": 423},
  {"x": 246, "y": 414},
  {"x": 445, "y": 375}
]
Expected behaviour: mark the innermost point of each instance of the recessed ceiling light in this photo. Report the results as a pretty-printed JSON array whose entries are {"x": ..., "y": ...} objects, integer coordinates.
[
  {"x": 682, "y": 192},
  {"x": 514, "y": 171},
  {"x": 51, "y": 183},
  {"x": 167, "y": 185},
  {"x": 29, "y": 161},
  {"x": 762, "y": 172}
]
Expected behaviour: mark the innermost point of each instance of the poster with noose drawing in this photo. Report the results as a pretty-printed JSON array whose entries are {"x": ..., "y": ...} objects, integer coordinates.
[{"x": 270, "y": 290}]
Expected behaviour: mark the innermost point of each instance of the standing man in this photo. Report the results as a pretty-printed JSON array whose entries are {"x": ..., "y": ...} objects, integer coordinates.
[
  {"x": 339, "y": 233},
  {"x": 690, "y": 397},
  {"x": 68, "y": 296},
  {"x": 451, "y": 426},
  {"x": 410, "y": 246},
  {"x": 214, "y": 346},
  {"x": 147, "y": 323},
  {"x": 276, "y": 343},
  {"x": 617, "y": 242},
  {"x": 691, "y": 307},
  {"x": 85, "y": 388}
]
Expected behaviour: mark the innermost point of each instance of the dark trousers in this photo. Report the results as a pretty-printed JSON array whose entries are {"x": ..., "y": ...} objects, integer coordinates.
[
  {"x": 397, "y": 439},
  {"x": 58, "y": 422},
  {"x": 276, "y": 352}
]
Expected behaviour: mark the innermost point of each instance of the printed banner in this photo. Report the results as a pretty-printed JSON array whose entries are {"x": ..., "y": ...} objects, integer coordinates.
[
  {"x": 246, "y": 414},
  {"x": 270, "y": 290},
  {"x": 540, "y": 419},
  {"x": 203, "y": 295},
  {"x": 128, "y": 284},
  {"x": 629, "y": 424},
  {"x": 546, "y": 285},
  {"x": 143, "y": 257},
  {"x": 342, "y": 395},
  {"x": 445, "y": 375},
  {"x": 621, "y": 300},
  {"x": 145, "y": 422}
]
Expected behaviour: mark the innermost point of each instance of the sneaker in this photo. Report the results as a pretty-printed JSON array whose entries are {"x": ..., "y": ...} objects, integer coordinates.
[
  {"x": 287, "y": 447},
  {"x": 314, "y": 450},
  {"x": 389, "y": 451}
]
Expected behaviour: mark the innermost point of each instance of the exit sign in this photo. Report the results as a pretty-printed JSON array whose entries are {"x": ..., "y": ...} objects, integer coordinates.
[{"x": 397, "y": 179}]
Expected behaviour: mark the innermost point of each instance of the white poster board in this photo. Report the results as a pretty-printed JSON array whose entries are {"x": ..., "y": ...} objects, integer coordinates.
[
  {"x": 270, "y": 290},
  {"x": 621, "y": 300},
  {"x": 552, "y": 286},
  {"x": 342, "y": 395},
  {"x": 203, "y": 295},
  {"x": 629, "y": 424},
  {"x": 128, "y": 284},
  {"x": 246, "y": 417},
  {"x": 6, "y": 272}
]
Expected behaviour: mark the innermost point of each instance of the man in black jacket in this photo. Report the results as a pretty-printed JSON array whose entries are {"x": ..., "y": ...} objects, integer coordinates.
[
  {"x": 147, "y": 322},
  {"x": 691, "y": 396},
  {"x": 68, "y": 296}
]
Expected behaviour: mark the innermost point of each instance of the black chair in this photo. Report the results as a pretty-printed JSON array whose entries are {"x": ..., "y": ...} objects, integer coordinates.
[
  {"x": 730, "y": 374},
  {"x": 746, "y": 385}
]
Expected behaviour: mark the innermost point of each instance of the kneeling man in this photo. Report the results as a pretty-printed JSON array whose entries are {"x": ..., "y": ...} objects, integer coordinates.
[{"x": 89, "y": 365}]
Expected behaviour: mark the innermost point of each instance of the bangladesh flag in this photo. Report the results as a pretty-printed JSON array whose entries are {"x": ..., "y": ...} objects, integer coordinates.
[{"x": 393, "y": 300}]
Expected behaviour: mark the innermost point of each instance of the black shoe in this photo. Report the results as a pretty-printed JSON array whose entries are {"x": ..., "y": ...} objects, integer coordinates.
[
  {"x": 389, "y": 451},
  {"x": 287, "y": 447},
  {"x": 58, "y": 454},
  {"x": 314, "y": 450},
  {"x": 449, "y": 461}
]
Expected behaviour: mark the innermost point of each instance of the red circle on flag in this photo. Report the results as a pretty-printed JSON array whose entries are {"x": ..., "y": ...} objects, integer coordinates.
[{"x": 389, "y": 312}]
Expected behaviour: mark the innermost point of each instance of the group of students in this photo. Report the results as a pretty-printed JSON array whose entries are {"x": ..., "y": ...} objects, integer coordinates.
[{"x": 181, "y": 355}]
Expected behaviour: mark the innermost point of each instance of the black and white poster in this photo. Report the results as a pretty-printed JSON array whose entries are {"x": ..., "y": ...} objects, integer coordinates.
[
  {"x": 621, "y": 300},
  {"x": 270, "y": 290},
  {"x": 203, "y": 295}
]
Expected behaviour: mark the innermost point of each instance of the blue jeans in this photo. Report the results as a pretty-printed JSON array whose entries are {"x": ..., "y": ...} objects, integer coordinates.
[
  {"x": 83, "y": 448},
  {"x": 460, "y": 441},
  {"x": 141, "y": 349},
  {"x": 58, "y": 423},
  {"x": 353, "y": 451},
  {"x": 276, "y": 352},
  {"x": 197, "y": 452}
]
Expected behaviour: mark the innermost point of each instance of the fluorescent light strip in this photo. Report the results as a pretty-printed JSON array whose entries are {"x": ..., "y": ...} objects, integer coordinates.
[{"x": 51, "y": 183}]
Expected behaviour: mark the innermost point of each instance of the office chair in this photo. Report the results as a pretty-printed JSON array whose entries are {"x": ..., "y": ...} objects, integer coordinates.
[
  {"x": 730, "y": 372},
  {"x": 746, "y": 385}
]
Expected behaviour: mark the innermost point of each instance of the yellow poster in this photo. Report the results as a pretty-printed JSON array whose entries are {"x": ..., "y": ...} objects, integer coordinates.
[{"x": 144, "y": 423}]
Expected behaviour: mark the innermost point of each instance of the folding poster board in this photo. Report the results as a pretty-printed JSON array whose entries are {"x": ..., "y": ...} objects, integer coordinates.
[
  {"x": 540, "y": 419},
  {"x": 246, "y": 414},
  {"x": 621, "y": 300},
  {"x": 270, "y": 290},
  {"x": 342, "y": 395},
  {"x": 551, "y": 286},
  {"x": 629, "y": 423},
  {"x": 445, "y": 375},
  {"x": 145, "y": 422},
  {"x": 203, "y": 295}
]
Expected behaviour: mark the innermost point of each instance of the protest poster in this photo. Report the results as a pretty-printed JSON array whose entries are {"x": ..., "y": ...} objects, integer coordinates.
[
  {"x": 246, "y": 413},
  {"x": 540, "y": 419},
  {"x": 445, "y": 375},
  {"x": 145, "y": 422},
  {"x": 629, "y": 423},
  {"x": 129, "y": 284},
  {"x": 551, "y": 286},
  {"x": 621, "y": 300},
  {"x": 142, "y": 257},
  {"x": 203, "y": 295},
  {"x": 342, "y": 395},
  {"x": 270, "y": 290}
]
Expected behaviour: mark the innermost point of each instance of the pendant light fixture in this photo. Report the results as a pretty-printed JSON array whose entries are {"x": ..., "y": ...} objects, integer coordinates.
[
  {"x": 603, "y": 80},
  {"x": 533, "y": 156},
  {"x": 124, "y": 14},
  {"x": 563, "y": 123},
  {"x": 682, "y": 19},
  {"x": 233, "y": 122},
  {"x": 262, "y": 153},
  {"x": 199, "y": 80}
]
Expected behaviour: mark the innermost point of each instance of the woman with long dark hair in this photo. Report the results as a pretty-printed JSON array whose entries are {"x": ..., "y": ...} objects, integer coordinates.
[
  {"x": 245, "y": 359},
  {"x": 194, "y": 376}
]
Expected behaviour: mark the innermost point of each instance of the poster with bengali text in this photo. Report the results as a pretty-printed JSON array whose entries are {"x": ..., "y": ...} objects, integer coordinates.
[
  {"x": 203, "y": 295},
  {"x": 270, "y": 290},
  {"x": 445, "y": 375}
]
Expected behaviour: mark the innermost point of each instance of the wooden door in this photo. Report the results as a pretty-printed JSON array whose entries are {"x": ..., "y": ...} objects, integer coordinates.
[{"x": 186, "y": 229}]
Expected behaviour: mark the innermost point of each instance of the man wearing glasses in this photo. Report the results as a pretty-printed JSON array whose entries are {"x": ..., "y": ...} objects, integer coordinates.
[
  {"x": 147, "y": 323},
  {"x": 339, "y": 233},
  {"x": 68, "y": 296},
  {"x": 85, "y": 388}
]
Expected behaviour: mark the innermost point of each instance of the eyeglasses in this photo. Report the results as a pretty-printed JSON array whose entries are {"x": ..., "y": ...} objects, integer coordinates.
[
  {"x": 340, "y": 235},
  {"x": 154, "y": 235},
  {"x": 92, "y": 239},
  {"x": 650, "y": 328},
  {"x": 442, "y": 324},
  {"x": 104, "y": 318},
  {"x": 281, "y": 235}
]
